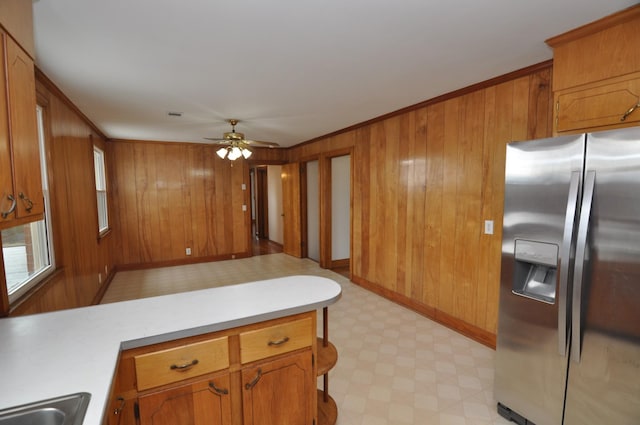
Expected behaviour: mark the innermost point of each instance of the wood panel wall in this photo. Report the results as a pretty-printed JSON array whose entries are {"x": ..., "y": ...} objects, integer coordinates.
[
  {"x": 424, "y": 181},
  {"x": 172, "y": 196},
  {"x": 84, "y": 262}
]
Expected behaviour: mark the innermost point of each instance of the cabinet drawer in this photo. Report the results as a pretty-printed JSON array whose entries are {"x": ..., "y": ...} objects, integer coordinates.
[
  {"x": 599, "y": 105},
  {"x": 266, "y": 342},
  {"x": 175, "y": 364}
]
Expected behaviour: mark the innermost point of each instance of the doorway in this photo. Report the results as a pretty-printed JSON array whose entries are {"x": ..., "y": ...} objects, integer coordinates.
[
  {"x": 340, "y": 211},
  {"x": 266, "y": 209},
  {"x": 313, "y": 210},
  {"x": 261, "y": 220}
]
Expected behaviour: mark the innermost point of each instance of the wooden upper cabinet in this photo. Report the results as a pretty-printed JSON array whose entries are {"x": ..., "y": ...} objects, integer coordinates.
[
  {"x": 6, "y": 178},
  {"x": 614, "y": 102},
  {"x": 16, "y": 16},
  {"x": 596, "y": 74},
  {"x": 22, "y": 198}
]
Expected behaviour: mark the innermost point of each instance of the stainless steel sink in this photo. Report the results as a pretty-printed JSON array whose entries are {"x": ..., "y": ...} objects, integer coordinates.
[{"x": 65, "y": 410}]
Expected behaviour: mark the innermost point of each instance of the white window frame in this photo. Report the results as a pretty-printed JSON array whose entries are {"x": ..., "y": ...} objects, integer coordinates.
[{"x": 101, "y": 189}]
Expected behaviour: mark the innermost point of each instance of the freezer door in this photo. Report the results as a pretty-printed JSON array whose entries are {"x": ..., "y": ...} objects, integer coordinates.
[
  {"x": 542, "y": 192},
  {"x": 604, "y": 372}
]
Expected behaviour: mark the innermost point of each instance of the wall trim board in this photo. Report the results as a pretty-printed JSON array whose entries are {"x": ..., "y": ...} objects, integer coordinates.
[
  {"x": 337, "y": 153},
  {"x": 31, "y": 297},
  {"x": 345, "y": 262},
  {"x": 50, "y": 85},
  {"x": 180, "y": 262},
  {"x": 103, "y": 288},
  {"x": 480, "y": 335},
  {"x": 451, "y": 95}
]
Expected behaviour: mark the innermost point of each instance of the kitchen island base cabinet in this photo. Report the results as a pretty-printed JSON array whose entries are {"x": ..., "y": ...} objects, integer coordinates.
[
  {"x": 205, "y": 402},
  {"x": 277, "y": 392},
  {"x": 258, "y": 374}
]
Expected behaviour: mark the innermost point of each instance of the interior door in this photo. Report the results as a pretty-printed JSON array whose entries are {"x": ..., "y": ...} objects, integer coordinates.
[{"x": 292, "y": 223}]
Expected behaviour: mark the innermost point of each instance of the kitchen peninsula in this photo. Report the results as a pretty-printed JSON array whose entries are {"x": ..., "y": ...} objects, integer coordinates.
[{"x": 78, "y": 350}]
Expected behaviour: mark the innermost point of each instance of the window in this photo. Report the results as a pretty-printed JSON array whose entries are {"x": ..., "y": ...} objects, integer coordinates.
[
  {"x": 101, "y": 189},
  {"x": 28, "y": 249}
]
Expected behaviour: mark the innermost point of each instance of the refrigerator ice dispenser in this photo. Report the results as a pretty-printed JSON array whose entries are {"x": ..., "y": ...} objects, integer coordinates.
[{"x": 536, "y": 270}]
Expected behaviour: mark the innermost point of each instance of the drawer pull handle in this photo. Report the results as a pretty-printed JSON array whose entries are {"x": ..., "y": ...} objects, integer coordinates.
[
  {"x": 278, "y": 342},
  {"x": 183, "y": 367},
  {"x": 222, "y": 391},
  {"x": 255, "y": 380},
  {"x": 630, "y": 111},
  {"x": 5, "y": 214}
]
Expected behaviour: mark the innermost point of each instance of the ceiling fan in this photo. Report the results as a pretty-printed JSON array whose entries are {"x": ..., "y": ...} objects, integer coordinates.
[{"x": 234, "y": 145}]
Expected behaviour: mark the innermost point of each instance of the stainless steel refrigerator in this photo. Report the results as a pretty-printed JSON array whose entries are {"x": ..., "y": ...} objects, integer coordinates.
[{"x": 568, "y": 343}]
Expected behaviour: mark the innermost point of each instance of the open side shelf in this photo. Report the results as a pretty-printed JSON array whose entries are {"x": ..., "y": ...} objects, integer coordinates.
[
  {"x": 327, "y": 356},
  {"x": 327, "y": 410},
  {"x": 327, "y": 359}
]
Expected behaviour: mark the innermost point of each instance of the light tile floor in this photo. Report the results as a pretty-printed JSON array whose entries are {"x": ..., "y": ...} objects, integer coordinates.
[{"x": 394, "y": 367}]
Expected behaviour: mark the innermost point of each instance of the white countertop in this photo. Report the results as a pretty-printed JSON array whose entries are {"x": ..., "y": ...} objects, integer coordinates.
[{"x": 53, "y": 354}]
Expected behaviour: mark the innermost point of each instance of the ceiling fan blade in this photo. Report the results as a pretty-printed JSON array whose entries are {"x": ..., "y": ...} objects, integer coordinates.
[
  {"x": 258, "y": 142},
  {"x": 234, "y": 138}
]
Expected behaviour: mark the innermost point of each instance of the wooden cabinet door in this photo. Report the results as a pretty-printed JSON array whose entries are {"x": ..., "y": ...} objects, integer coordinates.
[
  {"x": 6, "y": 178},
  {"x": 205, "y": 402},
  {"x": 281, "y": 391},
  {"x": 610, "y": 104},
  {"x": 292, "y": 227},
  {"x": 27, "y": 178}
]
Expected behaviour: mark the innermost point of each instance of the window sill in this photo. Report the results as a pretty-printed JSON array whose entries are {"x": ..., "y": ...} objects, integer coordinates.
[
  {"x": 24, "y": 299},
  {"x": 104, "y": 234}
]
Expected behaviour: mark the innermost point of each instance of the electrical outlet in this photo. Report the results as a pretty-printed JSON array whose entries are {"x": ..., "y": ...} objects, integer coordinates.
[
  {"x": 244, "y": 186},
  {"x": 244, "y": 208},
  {"x": 488, "y": 227},
  {"x": 188, "y": 251}
]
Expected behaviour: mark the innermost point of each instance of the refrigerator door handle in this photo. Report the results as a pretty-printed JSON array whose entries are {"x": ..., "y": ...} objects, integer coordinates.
[
  {"x": 581, "y": 252},
  {"x": 565, "y": 256}
]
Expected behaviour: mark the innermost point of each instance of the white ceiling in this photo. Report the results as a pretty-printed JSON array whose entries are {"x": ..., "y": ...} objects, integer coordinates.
[{"x": 290, "y": 70}]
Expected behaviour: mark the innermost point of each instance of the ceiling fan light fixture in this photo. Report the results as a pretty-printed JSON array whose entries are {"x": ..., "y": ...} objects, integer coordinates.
[
  {"x": 222, "y": 152},
  {"x": 235, "y": 145},
  {"x": 234, "y": 153}
]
